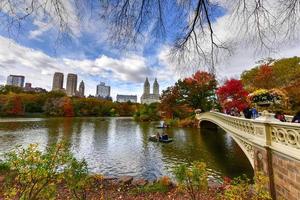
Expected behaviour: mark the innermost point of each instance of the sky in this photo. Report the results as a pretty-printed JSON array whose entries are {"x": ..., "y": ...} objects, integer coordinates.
[{"x": 35, "y": 51}]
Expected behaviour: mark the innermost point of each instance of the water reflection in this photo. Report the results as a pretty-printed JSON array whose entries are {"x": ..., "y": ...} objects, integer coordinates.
[{"x": 120, "y": 146}]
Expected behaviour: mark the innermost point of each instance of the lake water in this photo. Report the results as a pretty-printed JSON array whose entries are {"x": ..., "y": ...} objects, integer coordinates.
[{"x": 120, "y": 146}]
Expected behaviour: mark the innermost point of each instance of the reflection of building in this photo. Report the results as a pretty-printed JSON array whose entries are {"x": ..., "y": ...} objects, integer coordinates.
[
  {"x": 15, "y": 80},
  {"x": 58, "y": 81},
  {"x": 71, "y": 84},
  {"x": 126, "y": 98},
  {"x": 81, "y": 89},
  {"x": 147, "y": 97},
  {"x": 103, "y": 91}
]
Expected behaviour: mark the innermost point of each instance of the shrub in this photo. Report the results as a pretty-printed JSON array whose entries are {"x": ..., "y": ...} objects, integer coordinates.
[
  {"x": 241, "y": 188},
  {"x": 192, "y": 179},
  {"x": 37, "y": 175}
]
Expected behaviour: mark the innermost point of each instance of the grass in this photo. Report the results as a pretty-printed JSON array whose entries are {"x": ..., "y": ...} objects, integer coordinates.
[
  {"x": 155, "y": 187},
  {"x": 4, "y": 168}
]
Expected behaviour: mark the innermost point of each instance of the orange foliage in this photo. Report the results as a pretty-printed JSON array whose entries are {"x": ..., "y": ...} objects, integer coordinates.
[{"x": 68, "y": 107}]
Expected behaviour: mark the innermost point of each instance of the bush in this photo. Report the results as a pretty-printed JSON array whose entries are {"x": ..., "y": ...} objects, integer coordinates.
[
  {"x": 37, "y": 175},
  {"x": 241, "y": 188},
  {"x": 192, "y": 179}
]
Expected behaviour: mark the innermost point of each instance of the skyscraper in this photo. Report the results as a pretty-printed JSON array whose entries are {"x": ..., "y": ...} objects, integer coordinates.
[
  {"x": 15, "y": 80},
  {"x": 81, "y": 89},
  {"x": 71, "y": 84},
  {"x": 58, "y": 81},
  {"x": 103, "y": 91}
]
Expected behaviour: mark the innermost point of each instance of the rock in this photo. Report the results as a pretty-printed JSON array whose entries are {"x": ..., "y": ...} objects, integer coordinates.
[
  {"x": 139, "y": 182},
  {"x": 125, "y": 180},
  {"x": 214, "y": 185}
]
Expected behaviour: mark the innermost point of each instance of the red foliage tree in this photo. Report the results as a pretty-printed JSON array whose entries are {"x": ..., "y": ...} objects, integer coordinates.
[
  {"x": 233, "y": 95},
  {"x": 68, "y": 107},
  {"x": 14, "y": 106}
]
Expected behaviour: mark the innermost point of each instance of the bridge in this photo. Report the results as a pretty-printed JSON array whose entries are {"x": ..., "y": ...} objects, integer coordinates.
[{"x": 272, "y": 147}]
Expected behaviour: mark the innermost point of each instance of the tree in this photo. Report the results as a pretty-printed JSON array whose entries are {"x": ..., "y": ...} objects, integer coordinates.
[
  {"x": 13, "y": 106},
  {"x": 172, "y": 105},
  {"x": 68, "y": 107},
  {"x": 283, "y": 74},
  {"x": 131, "y": 21},
  {"x": 233, "y": 95},
  {"x": 198, "y": 91}
]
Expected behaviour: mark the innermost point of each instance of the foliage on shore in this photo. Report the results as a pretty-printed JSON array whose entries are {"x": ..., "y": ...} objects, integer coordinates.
[
  {"x": 147, "y": 112},
  {"x": 15, "y": 102},
  {"x": 32, "y": 174}
]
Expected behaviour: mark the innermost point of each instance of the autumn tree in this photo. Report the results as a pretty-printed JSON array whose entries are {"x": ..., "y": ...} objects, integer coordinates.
[
  {"x": 68, "y": 107},
  {"x": 283, "y": 74},
  {"x": 198, "y": 91},
  {"x": 172, "y": 105},
  {"x": 13, "y": 106},
  {"x": 232, "y": 95}
]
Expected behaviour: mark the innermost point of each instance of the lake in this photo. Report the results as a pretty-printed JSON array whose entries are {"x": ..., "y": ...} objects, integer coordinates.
[{"x": 120, "y": 146}]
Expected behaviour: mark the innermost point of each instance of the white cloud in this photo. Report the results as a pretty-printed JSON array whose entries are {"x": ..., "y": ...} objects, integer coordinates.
[{"x": 125, "y": 75}]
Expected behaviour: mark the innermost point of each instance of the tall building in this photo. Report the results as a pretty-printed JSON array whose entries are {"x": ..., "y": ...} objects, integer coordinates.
[
  {"x": 156, "y": 87},
  {"x": 71, "y": 84},
  {"x": 58, "y": 81},
  {"x": 148, "y": 97},
  {"x": 81, "y": 89},
  {"x": 126, "y": 98},
  {"x": 103, "y": 91},
  {"x": 15, "y": 80}
]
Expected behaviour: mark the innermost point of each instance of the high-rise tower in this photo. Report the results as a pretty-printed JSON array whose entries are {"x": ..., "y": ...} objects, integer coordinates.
[
  {"x": 16, "y": 80},
  {"x": 81, "y": 89},
  {"x": 71, "y": 84},
  {"x": 156, "y": 87},
  {"x": 146, "y": 87},
  {"x": 58, "y": 81}
]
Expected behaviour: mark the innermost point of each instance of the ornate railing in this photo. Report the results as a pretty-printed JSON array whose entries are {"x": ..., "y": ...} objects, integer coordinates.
[{"x": 283, "y": 137}]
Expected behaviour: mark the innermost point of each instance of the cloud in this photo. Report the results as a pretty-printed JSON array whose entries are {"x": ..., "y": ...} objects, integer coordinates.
[{"x": 124, "y": 74}]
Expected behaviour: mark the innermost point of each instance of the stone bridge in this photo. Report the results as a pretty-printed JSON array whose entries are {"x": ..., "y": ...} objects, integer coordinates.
[{"x": 271, "y": 146}]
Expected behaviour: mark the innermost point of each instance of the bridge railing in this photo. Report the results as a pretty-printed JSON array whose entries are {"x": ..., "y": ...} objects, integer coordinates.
[{"x": 283, "y": 137}]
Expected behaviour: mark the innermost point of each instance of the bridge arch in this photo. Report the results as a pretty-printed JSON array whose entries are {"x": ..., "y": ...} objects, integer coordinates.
[
  {"x": 246, "y": 148},
  {"x": 272, "y": 147}
]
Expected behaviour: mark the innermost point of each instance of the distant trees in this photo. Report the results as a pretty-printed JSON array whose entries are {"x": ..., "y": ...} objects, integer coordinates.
[{"x": 147, "y": 112}]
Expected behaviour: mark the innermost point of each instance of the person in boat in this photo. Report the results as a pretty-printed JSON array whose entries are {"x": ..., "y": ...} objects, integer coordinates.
[
  {"x": 158, "y": 136},
  {"x": 165, "y": 137}
]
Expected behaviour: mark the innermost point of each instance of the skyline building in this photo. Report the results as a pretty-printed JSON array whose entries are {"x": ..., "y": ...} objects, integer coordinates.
[
  {"x": 126, "y": 98},
  {"x": 147, "y": 97},
  {"x": 71, "y": 84},
  {"x": 103, "y": 91},
  {"x": 15, "y": 80},
  {"x": 81, "y": 89},
  {"x": 58, "y": 81}
]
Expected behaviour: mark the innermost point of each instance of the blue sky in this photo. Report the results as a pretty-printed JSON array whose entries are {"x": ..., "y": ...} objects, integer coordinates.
[{"x": 36, "y": 52}]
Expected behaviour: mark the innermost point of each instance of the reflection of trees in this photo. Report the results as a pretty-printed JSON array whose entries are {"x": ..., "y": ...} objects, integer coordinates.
[
  {"x": 227, "y": 155},
  {"x": 53, "y": 125},
  {"x": 101, "y": 130}
]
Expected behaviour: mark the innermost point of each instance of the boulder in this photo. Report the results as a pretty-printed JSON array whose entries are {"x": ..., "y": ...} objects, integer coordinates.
[
  {"x": 139, "y": 182},
  {"x": 125, "y": 180}
]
